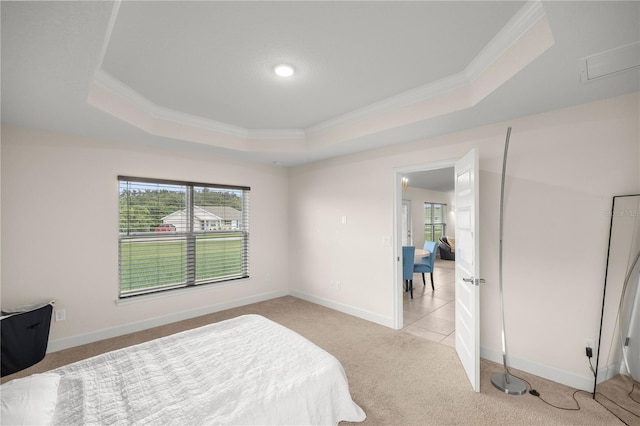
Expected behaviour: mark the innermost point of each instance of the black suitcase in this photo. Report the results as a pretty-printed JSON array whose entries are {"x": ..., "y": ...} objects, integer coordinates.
[{"x": 24, "y": 338}]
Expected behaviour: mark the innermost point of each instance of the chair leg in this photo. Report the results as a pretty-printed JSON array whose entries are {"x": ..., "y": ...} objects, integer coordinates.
[
  {"x": 406, "y": 285},
  {"x": 411, "y": 287},
  {"x": 423, "y": 281},
  {"x": 432, "y": 287}
]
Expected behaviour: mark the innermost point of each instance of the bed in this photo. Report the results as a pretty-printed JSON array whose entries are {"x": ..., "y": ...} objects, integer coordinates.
[{"x": 246, "y": 370}]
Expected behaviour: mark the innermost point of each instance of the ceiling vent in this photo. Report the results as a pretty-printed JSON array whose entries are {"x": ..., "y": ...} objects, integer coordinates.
[{"x": 611, "y": 62}]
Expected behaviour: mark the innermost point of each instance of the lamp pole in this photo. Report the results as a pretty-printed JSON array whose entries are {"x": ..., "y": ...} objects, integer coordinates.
[{"x": 505, "y": 381}]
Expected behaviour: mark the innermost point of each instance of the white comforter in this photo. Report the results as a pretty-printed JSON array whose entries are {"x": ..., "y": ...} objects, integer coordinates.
[{"x": 247, "y": 370}]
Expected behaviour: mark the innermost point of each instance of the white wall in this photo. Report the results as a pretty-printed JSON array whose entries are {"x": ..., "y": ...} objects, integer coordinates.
[
  {"x": 420, "y": 196},
  {"x": 563, "y": 168},
  {"x": 60, "y": 225}
]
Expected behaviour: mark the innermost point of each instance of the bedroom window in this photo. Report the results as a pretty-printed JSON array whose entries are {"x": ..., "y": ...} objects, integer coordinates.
[
  {"x": 179, "y": 234},
  {"x": 434, "y": 221}
]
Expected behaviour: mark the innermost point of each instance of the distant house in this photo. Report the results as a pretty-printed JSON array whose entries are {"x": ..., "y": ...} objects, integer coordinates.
[{"x": 212, "y": 218}]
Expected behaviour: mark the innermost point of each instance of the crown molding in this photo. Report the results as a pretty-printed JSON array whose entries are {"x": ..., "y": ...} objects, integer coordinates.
[
  {"x": 110, "y": 83},
  {"x": 276, "y": 134},
  {"x": 107, "y": 38},
  {"x": 107, "y": 81},
  {"x": 395, "y": 102},
  {"x": 517, "y": 27}
]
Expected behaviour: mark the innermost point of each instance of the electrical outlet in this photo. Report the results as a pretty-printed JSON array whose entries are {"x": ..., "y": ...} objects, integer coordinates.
[
  {"x": 589, "y": 348},
  {"x": 61, "y": 315}
]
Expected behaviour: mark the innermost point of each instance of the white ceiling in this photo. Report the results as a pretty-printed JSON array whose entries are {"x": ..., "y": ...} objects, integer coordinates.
[
  {"x": 441, "y": 180},
  {"x": 347, "y": 54},
  {"x": 197, "y": 75}
]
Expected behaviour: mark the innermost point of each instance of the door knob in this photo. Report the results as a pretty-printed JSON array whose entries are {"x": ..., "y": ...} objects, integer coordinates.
[{"x": 475, "y": 281}]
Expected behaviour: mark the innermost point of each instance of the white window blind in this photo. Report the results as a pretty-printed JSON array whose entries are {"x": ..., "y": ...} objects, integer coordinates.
[{"x": 178, "y": 234}]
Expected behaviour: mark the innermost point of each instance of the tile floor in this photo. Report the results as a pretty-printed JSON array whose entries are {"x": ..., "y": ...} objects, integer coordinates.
[{"x": 431, "y": 313}]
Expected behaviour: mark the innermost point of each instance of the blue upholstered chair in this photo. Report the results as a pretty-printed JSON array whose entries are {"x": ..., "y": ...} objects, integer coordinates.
[
  {"x": 408, "y": 255},
  {"x": 426, "y": 264}
]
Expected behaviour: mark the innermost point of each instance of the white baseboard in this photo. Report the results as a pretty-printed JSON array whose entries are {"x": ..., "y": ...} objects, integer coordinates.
[
  {"x": 606, "y": 373},
  {"x": 107, "y": 333},
  {"x": 551, "y": 373},
  {"x": 545, "y": 371},
  {"x": 347, "y": 309}
]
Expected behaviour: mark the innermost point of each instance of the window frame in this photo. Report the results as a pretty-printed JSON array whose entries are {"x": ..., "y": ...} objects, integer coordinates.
[
  {"x": 189, "y": 237},
  {"x": 432, "y": 224}
]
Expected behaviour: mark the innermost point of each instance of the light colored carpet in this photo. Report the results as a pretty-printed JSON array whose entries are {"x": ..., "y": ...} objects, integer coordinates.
[{"x": 397, "y": 378}]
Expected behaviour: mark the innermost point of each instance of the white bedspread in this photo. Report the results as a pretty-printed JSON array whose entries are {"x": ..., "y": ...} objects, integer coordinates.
[{"x": 247, "y": 370}]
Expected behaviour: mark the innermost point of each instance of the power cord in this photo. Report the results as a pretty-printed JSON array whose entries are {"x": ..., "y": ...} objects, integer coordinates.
[
  {"x": 535, "y": 393},
  {"x": 589, "y": 353},
  {"x": 618, "y": 405},
  {"x": 631, "y": 391}
]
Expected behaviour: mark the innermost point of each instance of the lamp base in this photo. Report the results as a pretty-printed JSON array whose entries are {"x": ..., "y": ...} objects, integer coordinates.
[{"x": 508, "y": 384}]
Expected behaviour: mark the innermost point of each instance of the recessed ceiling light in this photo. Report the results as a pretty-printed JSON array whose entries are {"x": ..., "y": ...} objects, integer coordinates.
[{"x": 283, "y": 70}]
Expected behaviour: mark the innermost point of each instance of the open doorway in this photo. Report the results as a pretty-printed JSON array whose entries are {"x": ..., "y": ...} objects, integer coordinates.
[
  {"x": 429, "y": 198},
  {"x": 430, "y": 313},
  {"x": 466, "y": 273}
]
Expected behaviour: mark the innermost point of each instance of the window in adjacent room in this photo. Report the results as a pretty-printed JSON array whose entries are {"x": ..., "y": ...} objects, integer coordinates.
[
  {"x": 434, "y": 221},
  {"x": 178, "y": 234}
]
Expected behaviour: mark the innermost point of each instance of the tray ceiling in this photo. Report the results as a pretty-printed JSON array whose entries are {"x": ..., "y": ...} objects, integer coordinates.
[{"x": 198, "y": 75}]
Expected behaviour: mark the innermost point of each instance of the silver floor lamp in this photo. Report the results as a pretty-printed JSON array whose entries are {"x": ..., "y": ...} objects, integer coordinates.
[{"x": 505, "y": 381}]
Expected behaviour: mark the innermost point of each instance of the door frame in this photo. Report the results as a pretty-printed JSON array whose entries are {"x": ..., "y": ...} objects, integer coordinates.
[
  {"x": 409, "y": 230},
  {"x": 398, "y": 311}
]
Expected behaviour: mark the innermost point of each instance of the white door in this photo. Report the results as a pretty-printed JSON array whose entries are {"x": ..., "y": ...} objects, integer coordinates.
[
  {"x": 407, "y": 239},
  {"x": 467, "y": 274}
]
